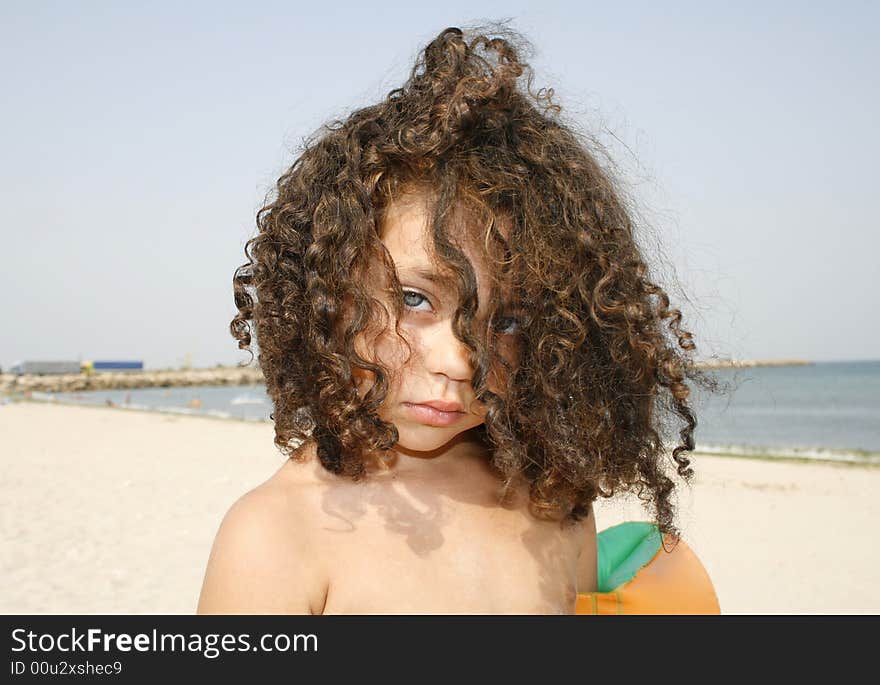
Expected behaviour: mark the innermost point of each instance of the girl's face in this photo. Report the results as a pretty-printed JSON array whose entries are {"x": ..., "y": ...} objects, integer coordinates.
[{"x": 439, "y": 369}]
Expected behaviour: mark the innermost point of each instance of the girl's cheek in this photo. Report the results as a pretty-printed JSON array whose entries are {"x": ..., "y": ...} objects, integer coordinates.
[
  {"x": 495, "y": 383},
  {"x": 391, "y": 350},
  {"x": 499, "y": 377},
  {"x": 385, "y": 349}
]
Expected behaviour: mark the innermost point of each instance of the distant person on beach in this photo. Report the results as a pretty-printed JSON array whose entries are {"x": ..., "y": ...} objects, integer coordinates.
[{"x": 464, "y": 348}]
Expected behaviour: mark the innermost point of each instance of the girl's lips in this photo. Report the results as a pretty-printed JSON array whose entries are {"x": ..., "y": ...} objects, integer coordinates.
[{"x": 431, "y": 416}]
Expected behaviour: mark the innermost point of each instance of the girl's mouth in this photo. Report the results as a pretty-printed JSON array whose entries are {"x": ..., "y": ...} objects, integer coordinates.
[{"x": 432, "y": 417}]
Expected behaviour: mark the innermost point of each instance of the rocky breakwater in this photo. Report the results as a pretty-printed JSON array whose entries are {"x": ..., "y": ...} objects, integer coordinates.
[
  {"x": 11, "y": 384},
  {"x": 751, "y": 363}
]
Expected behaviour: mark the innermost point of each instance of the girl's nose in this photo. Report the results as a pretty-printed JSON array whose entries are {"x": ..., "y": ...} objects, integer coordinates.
[{"x": 446, "y": 354}]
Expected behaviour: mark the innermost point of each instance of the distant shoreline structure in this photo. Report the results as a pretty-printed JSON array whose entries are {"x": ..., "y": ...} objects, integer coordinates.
[
  {"x": 225, "y": 375},
  {"x": 130, "y": 380},
  {"x": 751, "y": 363}
]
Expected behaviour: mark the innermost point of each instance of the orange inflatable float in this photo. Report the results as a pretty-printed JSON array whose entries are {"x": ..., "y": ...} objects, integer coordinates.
[{"x": 638, "y": 576}]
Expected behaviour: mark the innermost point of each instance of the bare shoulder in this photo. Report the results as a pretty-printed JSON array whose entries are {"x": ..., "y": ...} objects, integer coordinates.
[
  {"x": 587, "y": 575},
  {"x": 260, "y": 561}
]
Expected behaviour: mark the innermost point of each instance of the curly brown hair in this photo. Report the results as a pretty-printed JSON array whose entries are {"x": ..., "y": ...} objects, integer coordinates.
[{"x": 603, "y": 359}]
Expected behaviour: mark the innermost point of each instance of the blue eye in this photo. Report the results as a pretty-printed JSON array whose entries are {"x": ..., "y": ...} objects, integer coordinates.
[
  {"x": 503, "y": 325},
  {"x": 417, "y": 295}
]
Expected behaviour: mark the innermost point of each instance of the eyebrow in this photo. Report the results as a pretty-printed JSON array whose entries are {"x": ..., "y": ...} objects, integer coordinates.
[{"x": 427, "y": 274}]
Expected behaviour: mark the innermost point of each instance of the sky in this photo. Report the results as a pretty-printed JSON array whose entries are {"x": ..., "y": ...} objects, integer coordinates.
[{"x": 139, "y": 141}]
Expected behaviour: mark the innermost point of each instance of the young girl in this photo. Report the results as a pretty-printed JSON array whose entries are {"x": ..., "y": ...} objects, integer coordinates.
[{"x": 464, "y": 350}]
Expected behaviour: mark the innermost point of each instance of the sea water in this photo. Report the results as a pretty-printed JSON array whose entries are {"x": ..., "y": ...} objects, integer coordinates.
[
  {"x": 826, "y": 410},
  {"x": 823, "y": 410}
]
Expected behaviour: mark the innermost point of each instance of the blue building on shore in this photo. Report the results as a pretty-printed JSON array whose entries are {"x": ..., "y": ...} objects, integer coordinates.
[
  {"x": 57, "y": 367},
  {"x": 90, "y": 367}
]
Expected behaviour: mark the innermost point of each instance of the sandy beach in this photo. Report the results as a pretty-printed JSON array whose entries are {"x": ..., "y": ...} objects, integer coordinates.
[{"x": 113, "y": 511}]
